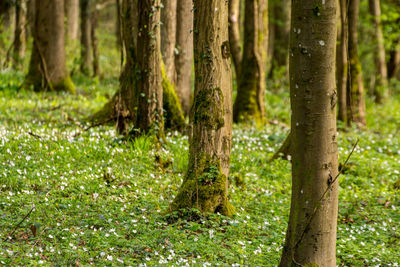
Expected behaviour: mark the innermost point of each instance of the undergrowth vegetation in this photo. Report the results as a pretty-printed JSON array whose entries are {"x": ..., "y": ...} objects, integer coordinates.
[{"x": 72, "y": 195}]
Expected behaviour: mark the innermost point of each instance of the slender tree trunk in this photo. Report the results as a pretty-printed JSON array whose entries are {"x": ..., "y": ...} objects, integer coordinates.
[
  {"x": 72, "y": 14},
  {"x": 234, "y": 36},
  {"x": 342, "y": 66},
  {"x": 47, "y": 69},
  {"x": 355, "y": 86},
  {"x": 168, "y": 36},
  {"x": 86, "y": 58},
  {"x": 394, "y": 61},
  {"x": 93, "y": 37},
  {"x": 380, "y": 57},
  {"x": 30, "y": 17},
  {"x": 184, "y": 58},
  {"x": 281, "y": 24},
  {"x": 19, "y": 32},
  {"x": 205, "y": 186},
  {"x": 118, "y": 24},
  {"x": 311, "y": 234},
  {"x": 249, "y": 102},
  {"x": 150, "y": 116}
]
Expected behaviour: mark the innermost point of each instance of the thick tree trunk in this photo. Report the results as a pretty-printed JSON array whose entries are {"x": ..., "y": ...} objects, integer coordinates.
[
  {"x": 281, "y": 24},
  {"x": 47, "y": 69},
  {"x": 380, "y": 57},
  {"x": 168, "y": 36},
  {"x": 311, "y": 234},
  {"x": 249, "y": 103},
  {"x": 355, "y": 86},
  {"x": 72, "y": 14},
  {"x": 342, "y": 66},
  {"x": 19, "y": 33},
  {"x": 184, "y": 58},
  {"x": 86, "y": 58},
  {"x": 149, "y": 82},
  {"x": 234, "y": 36},
  {"x": 205, "y": 186}
]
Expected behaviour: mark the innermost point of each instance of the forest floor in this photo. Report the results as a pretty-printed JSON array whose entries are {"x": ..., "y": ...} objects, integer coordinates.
[{"x": 70, "y": 196}]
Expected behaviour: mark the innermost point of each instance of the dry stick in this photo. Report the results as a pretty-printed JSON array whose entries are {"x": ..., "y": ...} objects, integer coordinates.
[
  {"x": 23, "y": 219},
  {"x": 322, "y": 197},
  {"x": 34, "y": 135},
  {"x": 95, "y": 125}
]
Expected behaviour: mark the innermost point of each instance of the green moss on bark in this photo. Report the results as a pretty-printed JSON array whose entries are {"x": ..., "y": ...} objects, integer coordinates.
[
  {"x": 38, "y": 85},
  {"x": 207, "y": 108},
  {"x": 204, "y": 188}
]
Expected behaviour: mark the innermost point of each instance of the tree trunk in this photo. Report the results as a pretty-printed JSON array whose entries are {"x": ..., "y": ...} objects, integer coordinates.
[
  {"x": 168, "y": 36},
  {"x": 380, "y": 57},
  {"x": 93, "y": 37},
  {"x": 311, "y": 234},
  {"x": 47, "y": 69},
  {"x": 249, "y": 104},
  {"x": 30, "y": 17},
  {"x": 355, "y": 86},
  {"x": 342, "y": 66},
  {"x": 184, "y": 58},
  {"x": 205, "y": 186},
  {"x": 72, "y": 14},
  {"x": 394, "y": 61},
  {"x": 149, "y": 82},
  {"x": 86, "y": 58},
  {"x": 19, "y": 33},
  {"x": 234, "y": 35},
  {"x": 281, "y": 25}
]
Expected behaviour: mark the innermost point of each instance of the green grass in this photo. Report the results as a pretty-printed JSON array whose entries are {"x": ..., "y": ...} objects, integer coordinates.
[{"x": 99, "y": 200}]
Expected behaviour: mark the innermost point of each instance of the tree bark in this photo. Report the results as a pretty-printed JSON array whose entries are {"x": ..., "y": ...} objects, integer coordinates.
[
  {"x": 86, "y": 58},
  {"x": 234, "y": 36},
  {"x": 394, "y": 62},
  {"x": 184, "y": 58},
  {"x": 168, "y": 36},
  {"x": 380, "y": 57},
  {"x": 355, "y": 86},
  {"x": 311, "y": 234},
  {"x": 249, "y": 103},
  {"x": 19, "y": 33},
  {"x": 149, "y": 82},
  {"x": 30, "y": 17},
  {"x": 72, "y": 14},
  {"x": 93, "y": 37},
  {"x": 47, "y": 69},
  {"x": 342, "y": 60},
  {"x": 205, "y": 186}
]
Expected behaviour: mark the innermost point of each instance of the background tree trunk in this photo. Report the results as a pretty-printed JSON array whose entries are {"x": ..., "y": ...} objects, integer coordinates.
[
  {"x": 393, "y": 66},
  {"x": 234, "y": 36},
  {"x": 72, "y": 14},
  {"x": 380, "y": 57},
  {"x": 184, "y": 58},
  {"x": 93, "y": 37},
  {"x": 30, "y": 17},
  {"x": 19, "y": 32},
  {"x": 86, "y": 58},
  {"x": 249, "y": 103},
  {"x": 355, "y": 86},
  {"x": 205, "y": 186},
  {"x": 342, "y": 66},
  {"x": 280, "y": 13},
  {"x": 168, "y": 37},
  {"x": 311, "y": 234},
  {"x": 47, "y": 69},
  {"x": 149, "y": 82}
]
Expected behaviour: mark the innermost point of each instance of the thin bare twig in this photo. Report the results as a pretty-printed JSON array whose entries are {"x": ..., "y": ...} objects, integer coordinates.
[{"x": 23, "y": 219}]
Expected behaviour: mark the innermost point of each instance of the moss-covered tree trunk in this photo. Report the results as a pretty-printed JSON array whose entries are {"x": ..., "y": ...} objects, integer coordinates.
[
  {"x": 72, "y": 14},
  {"x": 342, "y": 62},
  {"x": 355, "y": 88},
  {"x": 205, "y": 186},
  {"x": 86, "y": 57},
  {"x": 168, "y": 36},
  {"x": 234, "y": 35},
  {"x": 184, "y": 58},
  {"x": 149, "y": 78},
  {"x": 311, "y": 234},
  {"x": 280, "y": 13},
  {"x": 381, "y": 81},
  {"x": 47, "y": 68},
  {"x": 249, "y": 103},
  {"x": 19, "y": 32}
]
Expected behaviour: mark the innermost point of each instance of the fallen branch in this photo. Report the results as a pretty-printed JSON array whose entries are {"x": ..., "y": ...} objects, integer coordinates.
[{"x": 23, "y": 219}]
